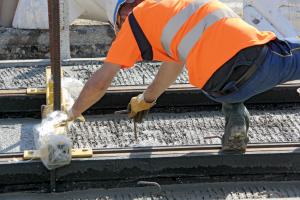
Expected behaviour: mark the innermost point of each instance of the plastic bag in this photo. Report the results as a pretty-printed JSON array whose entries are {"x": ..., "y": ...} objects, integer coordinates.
[
  {"x": 291, "y": 10},
  {"x": 71, "y": 89},
  {"x": 33, "y": 14},
  {"x": 52, "y": 141},
  {"x": 51, "y": 135}
]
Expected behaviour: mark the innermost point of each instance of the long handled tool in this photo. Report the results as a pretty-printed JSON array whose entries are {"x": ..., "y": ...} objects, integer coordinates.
[
  {"x": 134, "y": 122},
  {"x": 54, "y": 34}
]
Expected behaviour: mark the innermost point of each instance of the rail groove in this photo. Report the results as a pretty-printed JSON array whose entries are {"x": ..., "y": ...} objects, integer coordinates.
[
  {"x": 117, "y": 97},
  {"x": 115, "y": 152},
  {"x": 112, "y": 166}
]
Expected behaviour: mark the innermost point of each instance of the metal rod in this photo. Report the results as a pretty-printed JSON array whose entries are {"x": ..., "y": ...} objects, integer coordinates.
[
  {"x": 54, "y": 34},
  {"x": 53, "y": 181},
  {"x": 151, "y": 184},
  {"x": 135, "y": 130},
  {"x": 120, "y": 112},
  {"x": 256, "y": 147}
]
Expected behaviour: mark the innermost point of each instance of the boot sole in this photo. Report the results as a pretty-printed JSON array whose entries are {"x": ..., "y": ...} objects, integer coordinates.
[{"x": 236, "y": 143}]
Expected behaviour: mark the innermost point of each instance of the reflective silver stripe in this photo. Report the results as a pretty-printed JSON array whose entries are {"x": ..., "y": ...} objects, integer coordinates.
[
  {"x": 191, "y": 38},
  {"x": 176, "y": 22}
]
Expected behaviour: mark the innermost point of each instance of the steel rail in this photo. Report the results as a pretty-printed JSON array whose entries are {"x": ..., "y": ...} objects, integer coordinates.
[
  {"x": 116, "y": 89},
  {"x": 252, "y": 148},
  {"x": 202, "y": 148},
  {"x": 55, "y": 58},
  {"x": 182, "y": 95},
  {"x": 111, "y": 167},
  {"x": 55, "y": 54},
  {"x": 47, "y": 62},
  {"x": 132, "y": 88}
]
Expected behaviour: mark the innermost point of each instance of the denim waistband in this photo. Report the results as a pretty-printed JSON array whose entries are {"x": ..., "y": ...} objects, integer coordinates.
[{"x": 241, "y": 71}]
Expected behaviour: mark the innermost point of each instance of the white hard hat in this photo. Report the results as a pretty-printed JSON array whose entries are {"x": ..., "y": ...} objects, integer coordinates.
[{"x": 112, "y": 7}]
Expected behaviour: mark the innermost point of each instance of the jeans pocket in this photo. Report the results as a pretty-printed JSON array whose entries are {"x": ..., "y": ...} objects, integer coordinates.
[
  {"x": 280, "y": 48},
  {"x": 229, "y": 88}
]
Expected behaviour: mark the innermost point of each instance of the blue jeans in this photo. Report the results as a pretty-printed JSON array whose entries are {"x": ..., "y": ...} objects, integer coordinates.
[{"x": 281, "y": 64}]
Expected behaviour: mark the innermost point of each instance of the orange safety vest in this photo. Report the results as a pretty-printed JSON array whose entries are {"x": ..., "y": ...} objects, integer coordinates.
[{"x": 203, "y": 34}]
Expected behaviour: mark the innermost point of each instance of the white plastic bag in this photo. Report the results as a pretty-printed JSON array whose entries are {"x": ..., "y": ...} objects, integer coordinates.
[
  {"x": 291, "y": 10},
  {"x": 33, "y": 14},
  {"x": 52, "y": 141},
  {"x": 50, "y": 137},
  {"x": 268, "y": 15},
  {"x": 71, "y": 89}
]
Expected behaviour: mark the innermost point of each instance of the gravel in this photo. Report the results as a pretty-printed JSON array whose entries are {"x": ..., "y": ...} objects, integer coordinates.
[
  {"x": 228, "y": 191},
  {"x": 34, "y": 76},
  {"x": 159, "y": 129}
]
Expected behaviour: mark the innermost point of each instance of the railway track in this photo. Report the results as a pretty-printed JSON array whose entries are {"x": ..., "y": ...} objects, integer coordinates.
[
  {"x": 165, "y": 150},
  {"x": 228, "y": 191},
  {"x": 22, "y": 86},
  {"x": 124, "y": 167},
  {"x": 26, "y": 101},
  {"x": 118, "y": 167}
]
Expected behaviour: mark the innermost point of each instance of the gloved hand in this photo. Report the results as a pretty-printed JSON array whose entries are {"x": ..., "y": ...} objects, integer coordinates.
[
  {"x": 70, "y": 114},
  {"x": 138, "y": 108},
  {"x": 70, "y": 118}
]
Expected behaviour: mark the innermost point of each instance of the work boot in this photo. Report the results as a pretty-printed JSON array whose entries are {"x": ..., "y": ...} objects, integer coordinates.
[{"x": 235, "y": 138}]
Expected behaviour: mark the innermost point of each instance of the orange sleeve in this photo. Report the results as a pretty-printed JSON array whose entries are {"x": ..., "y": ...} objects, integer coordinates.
[{"x": 124, "y": 50}]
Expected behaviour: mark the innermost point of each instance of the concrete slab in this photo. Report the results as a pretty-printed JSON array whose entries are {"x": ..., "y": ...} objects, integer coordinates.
[
  {"x": 159, "y": 129},
  {"x": 228, "y": 191},
  {"x": 17, "y": 134},
  {"x": 34, "y": 76}
]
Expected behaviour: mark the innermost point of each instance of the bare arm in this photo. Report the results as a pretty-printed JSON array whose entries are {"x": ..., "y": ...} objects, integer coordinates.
[
  {"x": 166, "y": 75},
  {"x": 95, "y": 88}
]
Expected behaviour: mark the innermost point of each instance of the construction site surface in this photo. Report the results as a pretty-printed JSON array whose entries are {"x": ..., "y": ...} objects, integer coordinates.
[{"x": 177, "y": 152}]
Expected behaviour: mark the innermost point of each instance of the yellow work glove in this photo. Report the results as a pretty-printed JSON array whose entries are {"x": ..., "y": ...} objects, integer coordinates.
[
  {"x": 138, "y": 108},
  {"x": 70, "y": 119},
  {"x": 71, "y": 116}
]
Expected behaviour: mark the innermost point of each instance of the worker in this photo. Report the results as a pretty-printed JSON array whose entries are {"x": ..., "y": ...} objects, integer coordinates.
[{"x": 225, "y": 57}]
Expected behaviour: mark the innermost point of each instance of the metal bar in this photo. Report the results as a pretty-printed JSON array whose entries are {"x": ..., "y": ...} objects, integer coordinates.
[
  {"x": 47, "y": 62},
  {"x": 135, "y": 130},
  {"x": 251, "y": 148},
  {"x": 107, "y": 170},
  {"x": 53, "y": 180},
  {"x": 13, "y": 91},
  {"x": 133, "y": 88},
  {"x": 117, "y": 98},
  {"x": 54, "y": 33},
  {"x": 117, "y": 89}
]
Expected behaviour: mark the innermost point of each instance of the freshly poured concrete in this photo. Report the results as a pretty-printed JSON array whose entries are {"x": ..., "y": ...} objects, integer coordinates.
[
  {"x": 188, "y": 128},
  {"x": 228, "y": 191},
  {"x": 34, "y": 76},
  {"x": 159, "y": 129},
  {"x": 16, "y": 134}
]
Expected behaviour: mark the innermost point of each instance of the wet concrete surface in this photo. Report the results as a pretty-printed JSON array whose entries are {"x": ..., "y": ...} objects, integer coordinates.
[
  {"x": 228, "y": 191},
  {"x": 159, "y": 129},
  {"x": 17, "y": 134},
  {"x": 187, "y": 128},
  {"x": 34, "y": 76}
]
